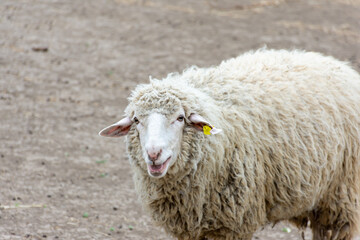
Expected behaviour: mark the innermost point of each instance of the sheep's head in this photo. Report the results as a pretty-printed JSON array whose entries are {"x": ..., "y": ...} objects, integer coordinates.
[{"x": 158, "y": 119}]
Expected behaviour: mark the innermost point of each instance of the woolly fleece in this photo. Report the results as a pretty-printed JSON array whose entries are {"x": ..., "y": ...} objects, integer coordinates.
[{"x": 289, "y": 150}]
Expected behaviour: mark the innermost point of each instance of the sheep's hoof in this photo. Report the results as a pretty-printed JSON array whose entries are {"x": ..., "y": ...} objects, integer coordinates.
[{"x": 328, "y": 235}]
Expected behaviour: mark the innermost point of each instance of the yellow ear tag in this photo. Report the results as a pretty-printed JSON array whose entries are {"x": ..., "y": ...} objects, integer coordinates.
[{"x": 207, "y": 130}]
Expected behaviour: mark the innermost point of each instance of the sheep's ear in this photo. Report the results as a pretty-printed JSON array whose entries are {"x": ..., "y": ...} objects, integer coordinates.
[
  {"x": 121, "y": 128},
  {"x": 201, "y": 124}
]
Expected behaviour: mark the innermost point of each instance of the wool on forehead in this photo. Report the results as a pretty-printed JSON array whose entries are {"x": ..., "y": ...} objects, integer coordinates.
[{"x": 160, "y": 99}]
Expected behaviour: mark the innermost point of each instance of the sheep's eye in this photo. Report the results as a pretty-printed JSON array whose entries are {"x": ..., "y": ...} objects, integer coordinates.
[
  {"x": 180, "y": 118},
  {"x": 136, "y": 121}
]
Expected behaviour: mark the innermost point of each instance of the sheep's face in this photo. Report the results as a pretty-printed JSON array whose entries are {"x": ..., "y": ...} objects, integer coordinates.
[
  {"x": 160, "y": 137},
  {"x": 159, "y": 119}
]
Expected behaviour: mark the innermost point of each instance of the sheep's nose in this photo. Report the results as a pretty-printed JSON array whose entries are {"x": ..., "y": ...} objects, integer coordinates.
[{"x": 154, "y": 154}]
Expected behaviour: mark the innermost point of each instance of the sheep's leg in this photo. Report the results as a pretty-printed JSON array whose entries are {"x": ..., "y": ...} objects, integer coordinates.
[
  {"x": 321, "y": 233},
  {"x": 337, "y": 216},
  {"x": 327, "y": 225}
]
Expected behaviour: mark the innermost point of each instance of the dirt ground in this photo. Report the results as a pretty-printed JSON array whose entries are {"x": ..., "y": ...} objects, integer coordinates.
[{"x": 66, "y": 68}]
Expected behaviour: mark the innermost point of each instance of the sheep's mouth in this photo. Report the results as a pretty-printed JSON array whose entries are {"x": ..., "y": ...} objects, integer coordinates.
[{"x": 158, "y": 170}]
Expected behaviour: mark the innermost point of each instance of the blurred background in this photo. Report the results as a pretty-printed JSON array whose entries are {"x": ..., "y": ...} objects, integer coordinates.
[{"x": 66, "y": 69}]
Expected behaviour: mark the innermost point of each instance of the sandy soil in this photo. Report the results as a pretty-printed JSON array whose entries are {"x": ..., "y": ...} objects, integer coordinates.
[{"x": 66, "y": 68}]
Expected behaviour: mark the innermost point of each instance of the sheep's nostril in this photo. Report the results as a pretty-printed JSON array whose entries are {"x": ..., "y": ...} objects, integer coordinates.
[{"x": 153, "y": 156}]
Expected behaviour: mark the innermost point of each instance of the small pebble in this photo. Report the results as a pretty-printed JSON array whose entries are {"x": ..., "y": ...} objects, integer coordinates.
[
  {"x": 40, "y": 49},
  {"x": 286, "y": 229}
]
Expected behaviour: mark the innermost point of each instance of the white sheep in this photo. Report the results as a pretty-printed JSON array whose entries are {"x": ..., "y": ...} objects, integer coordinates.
[{"x": 289, "y": 148}]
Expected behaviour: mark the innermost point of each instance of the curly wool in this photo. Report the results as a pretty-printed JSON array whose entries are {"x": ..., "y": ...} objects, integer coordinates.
[{"x": 290, "y": 147}]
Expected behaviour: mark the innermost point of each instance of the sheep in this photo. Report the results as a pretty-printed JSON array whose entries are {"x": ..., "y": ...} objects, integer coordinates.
[{"x": 267, "y": 136}]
